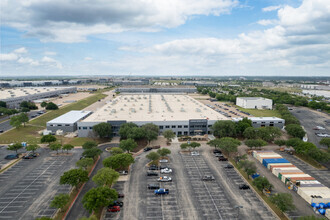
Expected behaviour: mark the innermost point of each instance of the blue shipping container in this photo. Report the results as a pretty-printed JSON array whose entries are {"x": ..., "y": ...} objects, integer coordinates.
[{"x": 265, "y": 162}]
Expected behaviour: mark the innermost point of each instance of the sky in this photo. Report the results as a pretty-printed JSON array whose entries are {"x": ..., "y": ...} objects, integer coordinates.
[{"x": 165, "y": 38}]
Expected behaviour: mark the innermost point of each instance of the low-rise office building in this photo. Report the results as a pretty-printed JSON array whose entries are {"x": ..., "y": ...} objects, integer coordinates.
[
  {"x": 13, "y": 97},
  {"x": 254, "y": 102},
  {"x": 180, "y": 113},
  {"x": 68, "y": 121},
  {"x": 258, "y": 122}
]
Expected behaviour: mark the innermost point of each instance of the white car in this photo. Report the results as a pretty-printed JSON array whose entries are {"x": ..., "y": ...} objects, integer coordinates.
[
  {"x": 320, "y": 128},
  {"x": 164, "y": 179},
  {"x": 166, "y": 170},
  {"x": 163, "y": 161},
  {"x": 194, "y": 153}
]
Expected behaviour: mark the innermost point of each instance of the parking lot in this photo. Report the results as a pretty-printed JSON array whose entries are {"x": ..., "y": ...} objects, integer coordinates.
[
  {"x": 28, "y": 187},
  {"x": 189, "y": 197},
  {"x": 119, "y": 186},
  {"x": 310, "y": 119}
]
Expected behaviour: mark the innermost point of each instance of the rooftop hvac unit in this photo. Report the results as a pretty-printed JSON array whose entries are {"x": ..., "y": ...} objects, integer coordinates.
[
  {"x": 140, "y": 108},
  {"x": 182, "y": 110},
  {"x": 113, "y": 111},
  {"x": 198, "y": 110}
]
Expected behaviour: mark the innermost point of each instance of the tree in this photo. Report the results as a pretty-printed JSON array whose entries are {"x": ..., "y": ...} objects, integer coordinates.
[
  {"x": 250, "y": 133},
  {"x": 184, "y": 146},
  {"x": 74, "y": 177},
  {"x": 3, "y": 104},
  {"x": 92, "y": 153},
  {"x": 242, "y": 125},
  {"x": 280, "y": 142},
  {"x": 15, "y": 147},
  {"x": 51, "y": 106},
  {"x": 169, "y": 135},
  {"x": 55, "y": 147},
  {"x": 116, "y": 150},
  {"x": 32, "y": 147},
  {"x": 251, "y": 143},
  {"x": 15, "y": 121},
  {"x": 262, "y": 183},
  {"x": 151, "y": 131},
  {"x": 67, "y": 147},
  {"x": 103, "y": 130},
  {"x": 248, "y": 166},
  {"x": 304, "y": 147},
  {"x": 283, "y": 201},
  {"x": 118, "y": 161},
  {"x": 24, "y": 118},
  {"x": 137, "y": 133},
  {"x": 92, "y": 217},
  {"x": 48, "y": 138},
  {"x": 153, "y": 156},
  {"x": 60, "y": 201},
  {"x": 43, "y": 104},
  {"x": 105, "y": 176},
  {"x": 128, "y": 145},
  {"x": 325, "y": 142},
  {"x": 163, "y": 151},
  {"x": 126, "y": 129},
  {"x": 214, "y": 143},
  {"x": 25, "y": 109},
  {"x": 229, "y": 145},
  {"x": 295, "y": 131},
  {"x": 293, "y": 142},
  {"x": 194, "y": 145},
  {"x": 268, "y": 133},
  {"x": 99, "y": 197},
  {"x": 89, "y": 144},
  {"x": 85, "y": 162},
  {"x": 28, "y": 105},
  {"x": 224, "y": 129}
]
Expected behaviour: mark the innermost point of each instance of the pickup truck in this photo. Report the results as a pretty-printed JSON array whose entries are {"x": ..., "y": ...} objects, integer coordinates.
[{"x": 161, "y": 191}]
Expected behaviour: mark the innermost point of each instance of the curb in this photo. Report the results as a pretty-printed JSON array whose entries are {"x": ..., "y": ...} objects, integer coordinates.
[
  {"x": 10, "y": 164},
  {"x": 251, "y": 187},
  {"x": 74, "y": 200}
]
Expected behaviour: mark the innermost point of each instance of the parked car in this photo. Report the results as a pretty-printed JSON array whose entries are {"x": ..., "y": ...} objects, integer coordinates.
[
  {"x": 123, "y": 172},
  {"x": 216, "y": 151},
  {"x": 151, "y": 173},
  {"x": 229, "y": 166},
  {"x": 121, "y": 195},
  {"x": 194, "y": 153},
  {"x": 114, "y": 209},
  {"x": 163, "y": 161},
  {"x": 164, "y": 179},
  {"x": 28, "y": 156},
  {"x": 222, "y": 159},
  {"x": 166, "y": 170},
  {"x": 218, "y": 155},
  {"x": 208, "y": 178},
  {"x": 147, "y": 149},
  {"x": 11, "y": 156},
  {"x": 117, "y": 203},
  {"x": 164, "y": 167},
  {"x": 153, "y": 167},
  {"x": 153, "y": 186},
  {"x": 244, "y": 186},
  {"x": 162, "y": 191},
  {"x": 1, "y": 131}
]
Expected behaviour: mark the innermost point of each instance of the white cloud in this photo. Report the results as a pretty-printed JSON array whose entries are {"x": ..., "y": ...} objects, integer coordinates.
[
  {"x": 67, "y": 21},
  {"x": 50, "y": 53},
  {"x": 27, "y": 60},
  {"x": 88, "y": 58},
  {"x": 271, "y": 8},
  {"x": 8, "y": 57},
  {"x": 50, "y": 60},
  {"x": 21, "y": 50},
  {"x": 266, "y": 22}
]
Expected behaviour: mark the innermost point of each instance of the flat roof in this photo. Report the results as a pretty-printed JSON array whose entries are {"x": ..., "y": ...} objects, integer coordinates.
[
  {"x": 24, "y": 91},
  {"x": 253, "y": 98},
  {"x": 154, "y": 107},
  {"x": 70, "y": 117}
]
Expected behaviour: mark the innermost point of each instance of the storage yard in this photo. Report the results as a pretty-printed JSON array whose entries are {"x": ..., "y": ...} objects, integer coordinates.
[{"x": 306, "y": 186}]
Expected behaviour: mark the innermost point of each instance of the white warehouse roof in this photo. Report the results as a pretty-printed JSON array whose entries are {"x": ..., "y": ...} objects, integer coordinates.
[
  {"x": 25, "y": 91},
  {"x": 253, "y": 98},
  {"x": 70, "y": 117},
  {"x": 154, "y": 107},
  {"x": 259, "y": 119}
]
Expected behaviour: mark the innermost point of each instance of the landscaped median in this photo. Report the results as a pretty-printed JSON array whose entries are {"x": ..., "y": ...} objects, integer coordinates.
[
  {"x": 29, "y": 133},
  {"x": 266, "y": 199}
]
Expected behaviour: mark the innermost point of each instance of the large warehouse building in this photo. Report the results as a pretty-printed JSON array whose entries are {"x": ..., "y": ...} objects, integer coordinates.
[
  {"x": 254, "y": 102},
  {"x": 258, "y": 122},
  {"x": 157, "y": 89},
  {"x": 68, "y": 121},
  {"x": 13, "y": 97},
  {"x": 180, "y": 113}
]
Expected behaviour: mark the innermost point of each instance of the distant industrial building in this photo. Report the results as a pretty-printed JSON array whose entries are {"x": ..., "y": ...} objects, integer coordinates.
[
  {"x": 180, "y": 113},
  {"x": 131, "y": 82},
  {"x": 315, "y": 87},
  {"x": 38, "y": 83},
  {"x": 68, "y": 121},
  {"x": 258, "y": 122},
  {"x": 13, "y": 97},
  {"x": 254, "y": 102},
  {"x": 157, "y": 89},
  {"x": 199, "y": 83}
]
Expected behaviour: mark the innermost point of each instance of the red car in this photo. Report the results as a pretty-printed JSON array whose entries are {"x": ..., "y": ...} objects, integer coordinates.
[
  {"x": 121, "y": 195},
  {"x": 114, "y": 209}
]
